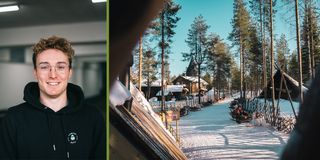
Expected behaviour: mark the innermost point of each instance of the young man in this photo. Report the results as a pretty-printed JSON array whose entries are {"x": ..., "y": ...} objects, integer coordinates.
[{"x": 54, "y": 122}]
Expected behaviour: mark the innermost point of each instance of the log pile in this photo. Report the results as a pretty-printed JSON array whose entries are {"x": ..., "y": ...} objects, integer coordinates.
[{"x": 285, "y": 124}]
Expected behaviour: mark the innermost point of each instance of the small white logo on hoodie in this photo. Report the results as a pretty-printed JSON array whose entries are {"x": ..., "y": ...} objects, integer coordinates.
[{"x": 72, "y": 138}]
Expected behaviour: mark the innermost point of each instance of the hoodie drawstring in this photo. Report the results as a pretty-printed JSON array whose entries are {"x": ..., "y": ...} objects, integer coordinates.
[
  {"x": 65, "y": 135},
  {"x": 49, "y": 123},
  {"x": 50, "y": 131}
]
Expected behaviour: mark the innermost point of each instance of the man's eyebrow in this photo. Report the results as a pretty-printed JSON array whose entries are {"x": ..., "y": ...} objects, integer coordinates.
[
  {"x": 43, "y": 63},
  {"x": 61, "y": 63},
  {"x": 56, "y": 63}
]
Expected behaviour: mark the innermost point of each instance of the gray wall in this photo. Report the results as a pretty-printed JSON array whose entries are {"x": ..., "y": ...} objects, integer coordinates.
[
  {"x": 14, "y": 77},
  {"x": 76, "y": 32}
]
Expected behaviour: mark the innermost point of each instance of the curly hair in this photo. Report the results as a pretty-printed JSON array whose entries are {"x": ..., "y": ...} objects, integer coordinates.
[{"x": 53, "y": 42}]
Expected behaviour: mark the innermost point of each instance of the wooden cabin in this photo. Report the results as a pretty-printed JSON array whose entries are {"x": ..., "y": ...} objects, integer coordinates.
[
  {"x": 155, "y": 87},
  {"x": 292, "y": 85},
  {"x": 191, "y": 83},
  {"x": 177, "y": 92}
]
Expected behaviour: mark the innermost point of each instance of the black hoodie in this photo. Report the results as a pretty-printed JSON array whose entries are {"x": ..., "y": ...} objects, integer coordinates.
[{"x": 33, "y": 131}]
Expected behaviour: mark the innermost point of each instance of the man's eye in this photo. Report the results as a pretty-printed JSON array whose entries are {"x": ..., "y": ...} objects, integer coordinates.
[
  {"x": 44, "y": 67},
  {"x": 61, "y": 67}
]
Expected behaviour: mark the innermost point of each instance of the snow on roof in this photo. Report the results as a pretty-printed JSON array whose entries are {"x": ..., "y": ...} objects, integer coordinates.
[
  {"x": 156, "y": 83},
  {"x": 171, "y": 88},
  {"x": 118, "y": 94},
  {"x": 175, "y": 88},
  {"x": 194, "y": 79},
  {"x": 296, "y": 83},
  {"x": 165, "y": 93}
]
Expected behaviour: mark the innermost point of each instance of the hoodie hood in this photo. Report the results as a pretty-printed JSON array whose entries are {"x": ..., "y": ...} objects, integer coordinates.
[
  {"x": 33, "y": 131},
  {"x": 74, "y": 93}
]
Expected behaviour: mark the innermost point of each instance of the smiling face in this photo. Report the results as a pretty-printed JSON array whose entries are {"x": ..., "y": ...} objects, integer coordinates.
[{"x": 52, "y": 72}]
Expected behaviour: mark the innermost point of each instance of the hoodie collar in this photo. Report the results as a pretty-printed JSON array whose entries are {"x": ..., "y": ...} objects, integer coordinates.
[{"x": 74, "y": 94}]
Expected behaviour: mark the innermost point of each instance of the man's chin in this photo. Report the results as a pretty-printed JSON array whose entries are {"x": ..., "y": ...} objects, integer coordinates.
[{"x": 54, "y": 94}]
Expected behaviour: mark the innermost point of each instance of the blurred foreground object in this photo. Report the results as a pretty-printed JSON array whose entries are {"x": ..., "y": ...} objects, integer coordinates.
[
  {"x": 305, "y": 136},
  {"x": 135, "y": 130}
]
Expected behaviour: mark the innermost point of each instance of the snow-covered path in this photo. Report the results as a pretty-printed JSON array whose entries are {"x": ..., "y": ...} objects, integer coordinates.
[{"x": 210, "y": 134}]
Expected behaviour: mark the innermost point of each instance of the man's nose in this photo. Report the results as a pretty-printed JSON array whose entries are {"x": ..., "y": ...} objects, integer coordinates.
[{"x": 52, "y": 72}]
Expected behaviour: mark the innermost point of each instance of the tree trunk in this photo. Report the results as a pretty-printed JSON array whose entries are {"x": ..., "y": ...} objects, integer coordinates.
[
  {"x": 312, "y": 53},
  {"x": 149, "y": 88},
  {"x": 241, "y": 75},
  {"x": 299, "y": 50},
  {"x": 271, "y": 65},
  {"x": 311, "y": 42},
  {"x": 140, "y": 62},
  {"x": 307, "y": 15},
  {"x": 263, "y": 56},
  {"x": 251, "y": 88},
  {"x": 162, "y": 70},
  {"x": 244, "y": 83},
  {"x": 257, "y": 84},
  {"x": 218, "y": 88},
  {"x": 199, "y": 84}
]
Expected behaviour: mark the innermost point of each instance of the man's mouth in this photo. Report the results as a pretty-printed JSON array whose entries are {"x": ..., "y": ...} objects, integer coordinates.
[{"x": 53, "y": 83}]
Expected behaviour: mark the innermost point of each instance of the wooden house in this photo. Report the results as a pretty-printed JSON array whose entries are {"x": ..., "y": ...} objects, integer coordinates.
[
  {"x": 177, "y": 92},
  {"x": 155, "y": 87},
  {"x": 191, "y": 83}
]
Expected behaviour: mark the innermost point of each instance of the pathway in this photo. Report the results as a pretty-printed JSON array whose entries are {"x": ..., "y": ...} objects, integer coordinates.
[{"x": 210, "y": 134}]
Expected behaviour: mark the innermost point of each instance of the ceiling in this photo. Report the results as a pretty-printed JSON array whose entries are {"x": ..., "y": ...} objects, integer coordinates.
[{"x": 46, "y": 12}]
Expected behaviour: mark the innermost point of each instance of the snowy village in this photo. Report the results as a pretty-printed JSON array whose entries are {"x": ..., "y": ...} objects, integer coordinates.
[{"x": 217, "y": 80}]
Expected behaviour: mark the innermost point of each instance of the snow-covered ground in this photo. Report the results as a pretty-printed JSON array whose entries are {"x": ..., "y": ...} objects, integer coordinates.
[{"x": 211, "y": 134}]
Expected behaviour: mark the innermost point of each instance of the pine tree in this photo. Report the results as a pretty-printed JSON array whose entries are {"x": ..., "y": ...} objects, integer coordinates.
[
  {"x": 283, "y": 52},
  {"x": 163, "y": 30},
  {"x": 235, "y": 77},
  {"x": 197, "y": 40},
  {"x": 310, "y": 39},
  {"x": 140, "y": 48},
  {"x": 207, "y": 78},
  {"x": 260, "y": 11},
  {"x": 240, "y": 36},
  {"x": 254, "y": 63},
  {"x": 219, "y": 62},
  {"x": 149, "y": 69},
  {"x": 137, "y": 53},
  {"x": 293, "y": 67},
  {"x": 165, "y": 23}
]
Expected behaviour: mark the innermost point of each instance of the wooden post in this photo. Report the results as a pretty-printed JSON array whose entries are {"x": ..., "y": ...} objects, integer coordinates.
[{"x": 177, "y": 133}]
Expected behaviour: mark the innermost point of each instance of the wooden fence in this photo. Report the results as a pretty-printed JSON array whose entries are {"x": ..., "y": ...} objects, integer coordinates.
[{"x": 176, "y": 105}]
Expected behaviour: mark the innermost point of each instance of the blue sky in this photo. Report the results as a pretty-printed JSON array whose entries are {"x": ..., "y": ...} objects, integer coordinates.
[{"x": 218, "y": 15}]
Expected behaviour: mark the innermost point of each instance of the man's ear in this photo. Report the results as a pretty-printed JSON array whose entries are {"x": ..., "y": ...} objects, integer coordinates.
[
  {"x": 35, "y": 74},
  {"x": 70, "y": 74}
]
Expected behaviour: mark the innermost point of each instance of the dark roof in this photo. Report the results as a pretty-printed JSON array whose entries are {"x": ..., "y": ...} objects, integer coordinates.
[
  {"x": 193, "y": 79},
  {"x": 292, "y": 84}
]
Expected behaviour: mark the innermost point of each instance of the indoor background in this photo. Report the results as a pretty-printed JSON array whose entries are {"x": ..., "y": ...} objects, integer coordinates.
[{"x": 80, "y": 21}]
